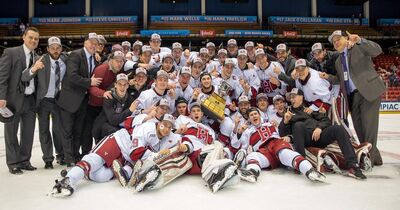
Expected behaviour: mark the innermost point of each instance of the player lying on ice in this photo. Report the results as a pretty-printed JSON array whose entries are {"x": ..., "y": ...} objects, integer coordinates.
[
  {"x": 127, "y": 144},
  {"x": 266, "y": 149}
]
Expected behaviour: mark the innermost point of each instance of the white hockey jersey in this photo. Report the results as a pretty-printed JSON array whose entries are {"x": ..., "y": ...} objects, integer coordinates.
[
  {"x": 266, "y": 86},
  {"x": 149, "y": 98}
]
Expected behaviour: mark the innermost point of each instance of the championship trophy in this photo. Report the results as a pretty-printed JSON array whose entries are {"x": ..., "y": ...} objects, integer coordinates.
[{"x": 213, "y": 106}]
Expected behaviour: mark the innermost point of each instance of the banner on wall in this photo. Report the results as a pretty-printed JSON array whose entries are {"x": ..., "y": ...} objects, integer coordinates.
[
  {"x": 317, "y": 20},
  {"x": 391, "y": 106},
  {"x": 165, "y": 32},
  {"x": 122, "y": 33},
  {"x": 202, "y": 19},
  {"x": 207, "y": 33},
  {"x": 388, "y": 22},
  {"x": 248, "y": 33},
  {"x": 290, "y": 33},
  {"x": 84, "y": 20},
  {"x": 8, "y": 21}
]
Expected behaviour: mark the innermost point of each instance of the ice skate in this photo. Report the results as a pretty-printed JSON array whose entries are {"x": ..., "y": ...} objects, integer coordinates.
[
  {"x": 331, "y": 165},
  {"x": 135, "y": 173},
  {"x": 315, "y": 176},
  {"x": 218, "y": 180},
  {"x": 120, "y": 173},
  {"x": 147, "y": 179},
  {"x": 62, "y": 188},
  {"x": 249, "y": 175}
]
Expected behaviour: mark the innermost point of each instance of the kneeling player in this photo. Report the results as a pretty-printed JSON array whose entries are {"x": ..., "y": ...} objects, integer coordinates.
[{"x": 270, "y": 151}]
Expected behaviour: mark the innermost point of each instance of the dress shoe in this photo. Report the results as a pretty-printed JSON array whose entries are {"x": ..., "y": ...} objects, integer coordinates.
[
  {"x": 378, "y": 159},
  {"x": 28, "y": 167},
  {"x": 61, "y": 162},
  {"x": 48, "y": 165},
  {"x": 16, "y": 171}
]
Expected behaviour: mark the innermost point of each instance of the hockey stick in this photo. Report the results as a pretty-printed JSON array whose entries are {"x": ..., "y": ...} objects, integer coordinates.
[{"x": 339, "y": 121}]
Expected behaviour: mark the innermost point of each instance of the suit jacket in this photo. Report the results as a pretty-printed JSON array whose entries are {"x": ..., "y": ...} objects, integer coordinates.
[
  {"x": 12, "y": 64},
  {"x": 76, "y": 82},
  {"x": 42, "y": 78},
  {"x": 362, "y": 71}
]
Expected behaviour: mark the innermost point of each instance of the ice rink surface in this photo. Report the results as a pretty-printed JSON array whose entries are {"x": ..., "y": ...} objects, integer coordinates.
[{"x": 277, "y": 189}]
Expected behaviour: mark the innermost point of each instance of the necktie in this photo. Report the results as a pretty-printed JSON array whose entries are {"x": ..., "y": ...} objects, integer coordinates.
[
  {"x": 90, "y": 65},
  {"x": 57, "y": 77},
  {"x": 345, "y": 73},
  {"x": 30, "y": 60}
]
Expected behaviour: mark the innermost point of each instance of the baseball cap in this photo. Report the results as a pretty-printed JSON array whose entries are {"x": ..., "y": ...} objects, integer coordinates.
[
  {"x": 177, "y": 45},
  {"x": 93, "y": 35},
  {"x": 252, "y": 109},
  {"x": 259, "y": 52},
  {"x": 169, "y": 118},
  {"x": 146, "y": 48},
  {"x": 162, "y": 73},
  {"x": 194, "y": 104},
  {"x": 243, "y": 99},
  {"x": 203, "y": 50},
  {"x": 210, "y": 44},
  {"x": 222, "y": 51},
  {"x": 54, "y": 40},
  {"x": 186, "y": 70},
  {"x": 316, "y": 46},
  {"x": 335, "y": 33},
  {"x": 102, "y": 39},
  {"x": 155, "y": 36},
  {"x": 126, "y": 44},
  {"x": 140, "y": 70},
  {"x": 122, "y": 76},
  {"x": 137, "y": 43},
  {"x": 165, "y": 56},
  {"x": 232, "y": 42},
  {"x": 180, "y": 100},
  {"x": 117, "y": 54},
  {"x": 197, "y": 60},
  {"x": 281, "y": 47},
  {"x": 229, "y": 61},
  {"x": 116, "y": 47},
  {"x": 242, "y": 52},
  {"x": 277, "y": 97},
  {"x": 249, "y": 44},
  {"x": 300, "y": 63},
  {"x": 163, "y": 102},
  {"x": 261, "y": 95},
  {"x": 295, "y": 91}
]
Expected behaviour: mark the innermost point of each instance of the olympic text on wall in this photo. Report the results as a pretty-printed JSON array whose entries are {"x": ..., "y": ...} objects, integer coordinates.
[{"x": 85, "y": 20}]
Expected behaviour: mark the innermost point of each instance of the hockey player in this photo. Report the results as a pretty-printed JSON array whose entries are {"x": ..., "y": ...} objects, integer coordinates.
[
  {"x": 232, "y": 48},
  {"x": 247, "y": 73},
  {"x": 211, "y": 50},
  {"x": 240, "y": 117},
  {"x": 251, "y": 51},
  {"x": 182, "y": 87},
  {"x": 196, "y": 69},
  {"x": 270, "y": 84},
  {"x": 316, "y": 130},
  {"x": 284, "y": 58},
  {"x": 263, "y": 106},
  {"x": 129, "y": 144},
  {"x": 150, "y": 97},
  {"x": 206, "y": 154},
  {"x": 126, "y": 47},
  {"x": 269, "y": 151}
]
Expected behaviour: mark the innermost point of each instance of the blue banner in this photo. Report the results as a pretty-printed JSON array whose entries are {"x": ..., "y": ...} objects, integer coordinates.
[
  {"x": 202, "y": 19},
  {"x": 84, "y": 20},
  {"x": 317, "y": 20},
  {"x": 165, "y": 32},
  {"x": 8, "y": 21},
  {"x": 248, "y": 33},
  {"x": 388, "y": 22}
]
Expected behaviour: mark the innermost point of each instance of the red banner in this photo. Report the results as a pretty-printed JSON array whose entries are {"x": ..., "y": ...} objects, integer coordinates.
[
  {"x": 290, "y": 33},
  {"x": 207, "y": 33},
  {"x": 122, "y": 33}
]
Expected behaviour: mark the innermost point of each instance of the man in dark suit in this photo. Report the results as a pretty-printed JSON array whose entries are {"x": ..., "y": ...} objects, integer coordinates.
[
  {"x": 48, "y": 83},
  {"x": 19, "y": 96},
  {"x": 360, "y": 84},
  {"x": 73, "y": 97}
]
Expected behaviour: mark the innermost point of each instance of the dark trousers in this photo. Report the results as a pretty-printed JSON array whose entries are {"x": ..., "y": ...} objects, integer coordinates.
[
  {"x": 302, "y": 138},
  {"x": 365, "y": 116},
  {"x": 47, "y": 108},
  {"x": 87, "y": 138},
  {"x": 19, "y": 154},
  {"x": 72, "y": 126}
]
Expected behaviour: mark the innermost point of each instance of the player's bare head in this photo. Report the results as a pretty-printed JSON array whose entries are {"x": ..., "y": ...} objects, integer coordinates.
[
  {"x": 206, "y": 80},
  {"x": 31, "y": 38},
  {"x": 195, "y": 112},
  {"x": 254, "y": 116}
]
